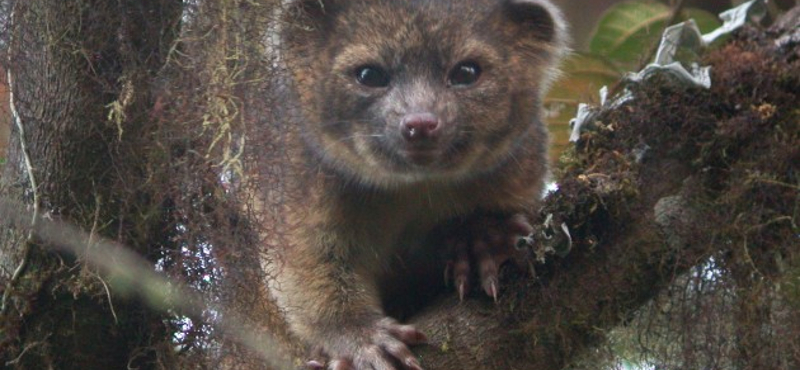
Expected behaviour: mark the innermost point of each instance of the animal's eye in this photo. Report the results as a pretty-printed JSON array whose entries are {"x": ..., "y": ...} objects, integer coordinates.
[
  {"x": 372, "y": 76},
  {"x": 464, "y": 74}
]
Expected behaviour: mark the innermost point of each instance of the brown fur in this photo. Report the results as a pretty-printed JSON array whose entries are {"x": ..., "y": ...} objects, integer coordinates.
[{"x": 362, "y": 219}]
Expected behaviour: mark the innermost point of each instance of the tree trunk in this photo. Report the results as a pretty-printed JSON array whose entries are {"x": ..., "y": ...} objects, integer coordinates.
[{"x": 81, "y": 75}]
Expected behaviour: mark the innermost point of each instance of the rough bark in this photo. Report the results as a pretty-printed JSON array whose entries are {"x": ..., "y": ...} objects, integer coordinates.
[{"x": 68, "y": 62}]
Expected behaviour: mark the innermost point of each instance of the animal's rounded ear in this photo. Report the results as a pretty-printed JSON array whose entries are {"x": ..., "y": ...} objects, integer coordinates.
[{"x": 538, "y": 18}]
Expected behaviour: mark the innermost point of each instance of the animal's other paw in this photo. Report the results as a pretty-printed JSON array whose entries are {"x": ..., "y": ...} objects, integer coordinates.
[
  {"x": 380, "y": 346},
  {"x": 483, "y": 243}
]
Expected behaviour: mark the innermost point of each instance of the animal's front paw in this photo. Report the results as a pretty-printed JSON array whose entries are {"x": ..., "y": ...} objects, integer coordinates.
[
  {"x": 487, "y": 242},
  {"x": 380, "y": 346}
]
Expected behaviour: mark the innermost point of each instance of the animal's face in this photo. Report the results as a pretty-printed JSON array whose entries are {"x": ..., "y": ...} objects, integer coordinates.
[{"x": 395, "y": 92}]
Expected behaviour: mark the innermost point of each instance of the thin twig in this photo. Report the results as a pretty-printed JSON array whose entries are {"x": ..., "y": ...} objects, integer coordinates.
[
  {"x": 779, "y": 183},
  {"x": 26, "y": 349},
  {"x": 90, "y": 244},
  {"x": 34, "y": 188},
  {"x": 95, "y": 222},
  {"x": 110, "y": 303}
]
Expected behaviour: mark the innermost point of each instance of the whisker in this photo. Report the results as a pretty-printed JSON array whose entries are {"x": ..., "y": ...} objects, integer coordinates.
[
  {"x": 350, "y": 121},
  {"x": 351, "y": 137}
]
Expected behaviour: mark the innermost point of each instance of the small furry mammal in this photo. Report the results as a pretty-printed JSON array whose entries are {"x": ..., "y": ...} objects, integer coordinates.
[{"x": 418, "y": 143}]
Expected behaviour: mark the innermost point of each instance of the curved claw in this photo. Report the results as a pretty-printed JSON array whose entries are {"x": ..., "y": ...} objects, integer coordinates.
[
  {"x": 491, "y": 289},
  {"x": 407, "y": 334},
  {"x": 489, "y": 243}
]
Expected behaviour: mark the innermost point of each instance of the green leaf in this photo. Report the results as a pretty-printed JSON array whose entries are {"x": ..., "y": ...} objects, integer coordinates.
[
  {"x": 628, "y": 31},
  {"x": 706, "y": 21},
  {"x": 582, "y": 76}
]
